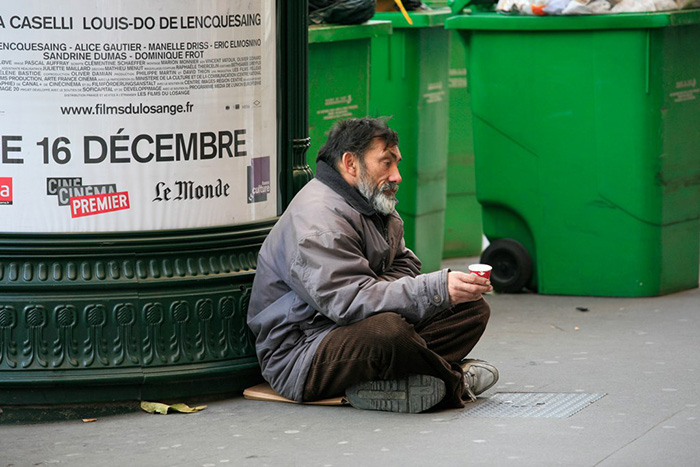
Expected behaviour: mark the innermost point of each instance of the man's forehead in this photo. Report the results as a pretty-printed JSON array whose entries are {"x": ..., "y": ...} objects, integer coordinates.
[
  {"x": 379, "y": 144},
  {"x": 394, "y": 151}
]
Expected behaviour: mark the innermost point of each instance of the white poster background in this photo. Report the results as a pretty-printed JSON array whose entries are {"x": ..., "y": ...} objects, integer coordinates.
[{"x": 84, "y": 80}]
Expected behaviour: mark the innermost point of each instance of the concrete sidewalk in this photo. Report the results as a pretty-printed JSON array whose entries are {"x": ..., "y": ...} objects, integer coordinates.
[{"x": 641, "y": 353}]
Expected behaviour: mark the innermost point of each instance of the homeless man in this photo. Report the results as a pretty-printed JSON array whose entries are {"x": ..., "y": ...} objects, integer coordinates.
[{"x": 339, "y": 305}]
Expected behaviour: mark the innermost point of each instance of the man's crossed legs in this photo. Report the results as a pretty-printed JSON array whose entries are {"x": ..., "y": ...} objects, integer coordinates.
[{"x": 379, "y": 361}]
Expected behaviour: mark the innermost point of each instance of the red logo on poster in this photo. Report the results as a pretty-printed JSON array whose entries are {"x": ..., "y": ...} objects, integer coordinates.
[
  {"x": 81, "y": 206},
  {"x": 5, "y": 190}
]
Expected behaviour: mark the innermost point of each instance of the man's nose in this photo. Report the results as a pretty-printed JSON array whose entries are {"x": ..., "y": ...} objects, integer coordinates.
[{"x": 395, "y": 176}]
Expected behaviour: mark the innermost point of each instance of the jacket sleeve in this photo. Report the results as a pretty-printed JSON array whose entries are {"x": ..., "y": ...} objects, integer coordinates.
[
  {"x": 330, "y": 272},
  {"x": 405, "y": 263}
]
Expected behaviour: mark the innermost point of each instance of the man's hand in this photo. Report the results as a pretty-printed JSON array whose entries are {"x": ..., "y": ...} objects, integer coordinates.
[{"x": 464, "y": 287}]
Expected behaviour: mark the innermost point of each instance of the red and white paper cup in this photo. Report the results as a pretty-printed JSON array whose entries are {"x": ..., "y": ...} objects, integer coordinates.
[{"x": 481, "y": 270}]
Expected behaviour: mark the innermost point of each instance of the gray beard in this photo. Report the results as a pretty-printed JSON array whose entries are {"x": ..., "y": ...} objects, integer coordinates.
[{"x": 379, "y": 197}]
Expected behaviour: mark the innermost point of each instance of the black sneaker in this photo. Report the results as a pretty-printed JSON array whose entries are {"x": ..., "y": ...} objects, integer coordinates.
[{"x": 413, "y": 394}]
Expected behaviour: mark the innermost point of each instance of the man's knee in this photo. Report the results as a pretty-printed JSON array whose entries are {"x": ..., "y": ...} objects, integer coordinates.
[
  {"x": 484, "y": 310},
  {"x": 479, "y": 309},
  {"x": 388, "y": 326},
  {"x": 388, "y": 336}
]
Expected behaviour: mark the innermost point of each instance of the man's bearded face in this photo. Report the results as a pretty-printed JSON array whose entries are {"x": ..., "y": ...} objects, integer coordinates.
[{"x": 380, "y": 194}]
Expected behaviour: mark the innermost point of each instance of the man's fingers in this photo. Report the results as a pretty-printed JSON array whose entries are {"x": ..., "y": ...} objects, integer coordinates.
[
  {"x": 465, "y": 280},
  {"x": 465, "y": 287},
  {"x": 471, "y": 278}
]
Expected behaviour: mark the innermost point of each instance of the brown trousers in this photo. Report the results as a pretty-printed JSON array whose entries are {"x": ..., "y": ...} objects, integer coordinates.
[{"x": 386, "y": 346}]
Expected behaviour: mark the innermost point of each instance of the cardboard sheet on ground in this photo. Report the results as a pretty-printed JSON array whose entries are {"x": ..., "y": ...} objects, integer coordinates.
[{"x": 263, "y": 392}]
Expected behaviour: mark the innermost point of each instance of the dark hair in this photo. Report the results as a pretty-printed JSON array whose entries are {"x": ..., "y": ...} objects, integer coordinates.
[{"x": 355, "y": 135}]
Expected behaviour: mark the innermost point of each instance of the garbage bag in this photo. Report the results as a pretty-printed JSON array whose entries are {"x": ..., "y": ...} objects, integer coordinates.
[
  {"x": 590, "y": 7},
  {"x": 341, "y": 11},
  {"x": 639, "y": 6}
]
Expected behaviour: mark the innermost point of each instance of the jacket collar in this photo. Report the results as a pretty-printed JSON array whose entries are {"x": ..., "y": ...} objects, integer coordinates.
[{"x": 331, "y": 178}]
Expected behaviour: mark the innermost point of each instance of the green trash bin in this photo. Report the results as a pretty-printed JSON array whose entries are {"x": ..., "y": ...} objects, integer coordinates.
[
  {"x": 338, "y": 76},
  {"x": 463, "y": 230},
  {"x": 587, "y": 150},
  {"x": 409, "y": 83}
]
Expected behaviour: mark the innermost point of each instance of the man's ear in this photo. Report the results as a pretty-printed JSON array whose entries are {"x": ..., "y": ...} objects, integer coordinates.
[{"x": 350, "y": 164}]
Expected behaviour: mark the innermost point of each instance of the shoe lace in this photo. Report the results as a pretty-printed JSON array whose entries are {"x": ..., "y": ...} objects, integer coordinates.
[{"x": 469, "y": 383}]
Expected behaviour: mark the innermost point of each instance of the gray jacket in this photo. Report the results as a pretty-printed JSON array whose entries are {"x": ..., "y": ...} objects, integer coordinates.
[{"x": 331, "y": 260}]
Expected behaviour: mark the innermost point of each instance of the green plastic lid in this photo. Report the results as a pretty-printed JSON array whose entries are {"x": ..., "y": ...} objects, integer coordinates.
[
  {"x": 333, "y": 32},
  {"x": 421, "y": 19},
  {"x": 499, "y": 21}
]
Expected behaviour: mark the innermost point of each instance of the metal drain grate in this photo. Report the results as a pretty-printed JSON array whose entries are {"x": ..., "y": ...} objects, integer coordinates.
[{"x": 532, "y": 405}]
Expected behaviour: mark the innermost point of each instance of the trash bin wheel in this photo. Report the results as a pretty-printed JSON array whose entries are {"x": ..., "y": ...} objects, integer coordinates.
[{"x": 511, "y": 262}]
